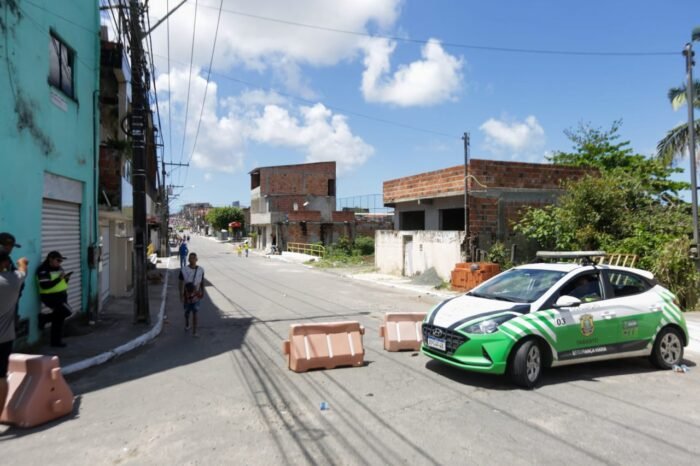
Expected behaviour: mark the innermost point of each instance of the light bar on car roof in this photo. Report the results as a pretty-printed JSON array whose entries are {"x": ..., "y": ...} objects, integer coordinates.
[{"x": 569, "y": 254}]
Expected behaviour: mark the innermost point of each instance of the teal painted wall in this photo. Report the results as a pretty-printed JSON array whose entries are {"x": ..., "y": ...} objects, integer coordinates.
[{"x": 38, "y": 136}]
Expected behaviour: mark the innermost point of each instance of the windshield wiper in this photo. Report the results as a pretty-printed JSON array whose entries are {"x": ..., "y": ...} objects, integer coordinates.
[
  {"x": 510, "y": 300},
  {"x": 479, "y": 295}
]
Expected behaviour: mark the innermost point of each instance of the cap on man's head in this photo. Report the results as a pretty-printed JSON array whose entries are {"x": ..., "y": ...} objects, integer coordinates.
[
  {"x": 56, "y": 255},
  {"x": 6, "y": 238}
]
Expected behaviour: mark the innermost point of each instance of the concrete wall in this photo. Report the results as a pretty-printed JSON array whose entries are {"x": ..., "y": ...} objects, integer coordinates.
[
  {"x": 438, "y": 249},
  {"x": 45, "y": 131},
  {"x": 431, "y": 207}
]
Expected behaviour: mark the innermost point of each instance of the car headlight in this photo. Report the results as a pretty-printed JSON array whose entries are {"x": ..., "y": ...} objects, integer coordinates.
[{"x": 488, "y": 325}]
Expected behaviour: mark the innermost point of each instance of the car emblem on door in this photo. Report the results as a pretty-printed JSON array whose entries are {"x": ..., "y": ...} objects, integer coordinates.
[
  {"x": 587, "y": 327},
  {"x": 438, "y": 333}
]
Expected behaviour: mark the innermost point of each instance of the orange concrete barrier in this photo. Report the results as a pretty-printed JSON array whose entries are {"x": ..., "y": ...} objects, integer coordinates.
[
  {"x": 402, "y": 330},
  {"x": 37, "y": 393},
  {"x": 324, "y": 345}
]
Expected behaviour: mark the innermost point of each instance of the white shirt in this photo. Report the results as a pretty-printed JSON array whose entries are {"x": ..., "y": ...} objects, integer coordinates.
[{"x": 191, "y": 275}]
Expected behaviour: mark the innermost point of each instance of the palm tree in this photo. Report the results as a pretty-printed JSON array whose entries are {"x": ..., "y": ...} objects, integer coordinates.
[{"x": 672, "y": 147}]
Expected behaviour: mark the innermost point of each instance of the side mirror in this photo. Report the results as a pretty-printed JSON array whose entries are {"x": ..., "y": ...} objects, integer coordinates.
[{"x": 567, "y": 301}]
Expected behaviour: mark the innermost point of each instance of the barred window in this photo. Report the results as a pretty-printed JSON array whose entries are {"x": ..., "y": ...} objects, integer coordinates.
[{"x": 61, "y": 60}]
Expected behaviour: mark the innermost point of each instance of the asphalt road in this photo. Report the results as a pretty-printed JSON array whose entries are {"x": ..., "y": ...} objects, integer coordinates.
[{"x": 228, "y": 398}]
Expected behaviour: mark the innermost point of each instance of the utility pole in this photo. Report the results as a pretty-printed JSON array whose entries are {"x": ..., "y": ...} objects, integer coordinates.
[
  {"x": 467, "y": 234},
  {"x": 138, "y": 141},
  {"x": 689, "y": 62},
  {"x": 165, "y": 207}
]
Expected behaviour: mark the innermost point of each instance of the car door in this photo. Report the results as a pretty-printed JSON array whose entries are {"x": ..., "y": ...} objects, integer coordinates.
[
  {"x": 583, "y": 330},
  {"x": 633, "y": 310}
]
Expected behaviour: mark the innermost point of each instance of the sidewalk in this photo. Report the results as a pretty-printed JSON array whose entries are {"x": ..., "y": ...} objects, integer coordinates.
[{"x": 115, "y": 332}]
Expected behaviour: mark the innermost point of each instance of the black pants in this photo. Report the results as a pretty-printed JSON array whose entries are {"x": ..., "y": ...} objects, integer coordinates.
[{"x": 60, "y": 309}]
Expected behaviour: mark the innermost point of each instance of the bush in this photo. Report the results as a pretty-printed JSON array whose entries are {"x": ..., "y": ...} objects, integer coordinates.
[
  {"x": 675, "y": 270},
  {"x": 500, "y": 255},
  {"x": 364, "y": 245}
]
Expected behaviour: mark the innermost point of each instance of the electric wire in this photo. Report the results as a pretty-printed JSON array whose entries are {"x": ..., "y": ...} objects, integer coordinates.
[
  {"x": 331, "y": 107},
  {"x": 155, "y": 91},
  {"x": 189, "y": 82},
  {"x": 170, "y": 91},
  {"x": 446, "y": 44},
  {"x": 206, "y": 88}
]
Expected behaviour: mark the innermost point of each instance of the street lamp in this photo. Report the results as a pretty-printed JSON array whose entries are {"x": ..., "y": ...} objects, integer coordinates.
[{"x": 689, "y": 62}]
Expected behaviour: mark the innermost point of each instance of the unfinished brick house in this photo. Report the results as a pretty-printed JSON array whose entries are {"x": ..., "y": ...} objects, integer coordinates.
[
  {"x": 429, "y": 211},
  {"x": 296, "y": 204}
]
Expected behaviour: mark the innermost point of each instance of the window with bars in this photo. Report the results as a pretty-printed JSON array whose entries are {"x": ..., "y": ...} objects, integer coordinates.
[{"x": 61, "y": 60}]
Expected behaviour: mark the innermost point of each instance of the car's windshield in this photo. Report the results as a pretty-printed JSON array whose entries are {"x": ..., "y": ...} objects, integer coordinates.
[{"x": 518, "y": 285}]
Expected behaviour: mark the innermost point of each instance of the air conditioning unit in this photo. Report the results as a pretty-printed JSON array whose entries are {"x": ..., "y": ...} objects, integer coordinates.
[{"x": 120, "y": 230}]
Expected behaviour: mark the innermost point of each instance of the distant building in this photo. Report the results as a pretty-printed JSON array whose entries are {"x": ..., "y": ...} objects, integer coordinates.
[
  {"x": 296, "y": 204},
  {"x": 429, "y": 211}
]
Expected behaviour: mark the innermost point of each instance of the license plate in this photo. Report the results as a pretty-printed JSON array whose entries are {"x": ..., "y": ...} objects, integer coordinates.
[{"x": 437, "y": 343}]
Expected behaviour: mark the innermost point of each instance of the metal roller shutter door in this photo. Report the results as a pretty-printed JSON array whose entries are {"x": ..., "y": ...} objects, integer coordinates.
[{"x": 60, "y": 231}]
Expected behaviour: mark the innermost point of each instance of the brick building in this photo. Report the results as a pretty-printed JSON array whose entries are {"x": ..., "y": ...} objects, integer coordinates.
[
  {"x": 434, "y": 201},
  {"x": 296, "y": 204}
]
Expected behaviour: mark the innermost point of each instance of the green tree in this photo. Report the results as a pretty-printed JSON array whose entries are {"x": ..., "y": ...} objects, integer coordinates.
[
  {"x": 675, "y": 144},
  {"x": 603, "y": 150},
  {"x": 627, "y": 205},
  {"x": 220, "y": 217}
]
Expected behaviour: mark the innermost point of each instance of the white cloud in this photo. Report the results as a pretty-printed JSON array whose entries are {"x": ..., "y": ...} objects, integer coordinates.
[
  {"x": 520, "y": 138},
  {"x": 434, "y": 79},
  {"x": 262, "y": 117},
  {"x": 319, "y": 133},
  {"x": 261, "y": 45},
  {"x": 208, "y": 176}
]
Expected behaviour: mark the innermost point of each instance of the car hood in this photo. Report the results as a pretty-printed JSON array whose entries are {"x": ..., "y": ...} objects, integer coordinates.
[{"x": 455, "y": 312}]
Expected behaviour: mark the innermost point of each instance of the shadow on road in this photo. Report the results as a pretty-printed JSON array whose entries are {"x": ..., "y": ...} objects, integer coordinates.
[
  {"x": 590, "y": 372},
  {"x": 219, "y": 332}
]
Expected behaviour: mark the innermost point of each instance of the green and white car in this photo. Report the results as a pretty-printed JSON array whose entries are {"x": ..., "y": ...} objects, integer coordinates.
[{"x": 552, "y": 314}]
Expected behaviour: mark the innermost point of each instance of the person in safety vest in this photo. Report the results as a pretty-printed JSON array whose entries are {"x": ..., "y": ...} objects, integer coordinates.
[{"x": 53, "y": 291}]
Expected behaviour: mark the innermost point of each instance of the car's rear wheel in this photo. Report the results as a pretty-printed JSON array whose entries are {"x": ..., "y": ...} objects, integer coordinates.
[
  {"x": 668, "y": 348},
  {"x": 525, "y": 368}
]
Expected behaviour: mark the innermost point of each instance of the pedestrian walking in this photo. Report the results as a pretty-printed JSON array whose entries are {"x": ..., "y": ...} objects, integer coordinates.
[
  {"x": 183, "y": 254},
  {"x": 53, "y": 291},
  {"x": 246, "y": 248},
  {"x": 239, "y": 250},
  {"x": 192, "y": 277},
  {"x": 11, "y": 281},
  {"x": 7, "y": 244}
]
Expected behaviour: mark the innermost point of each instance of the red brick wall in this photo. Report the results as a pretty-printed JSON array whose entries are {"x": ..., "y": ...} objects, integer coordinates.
[
  {"x": 338, "y": 216},
  {"x": 496, "y": 174},
  {"x": 493, "y": 174},
  {"x": 308, "y": 178},
  {"x": 431, "y": 184},
  {"x": 304, "y": 216}
]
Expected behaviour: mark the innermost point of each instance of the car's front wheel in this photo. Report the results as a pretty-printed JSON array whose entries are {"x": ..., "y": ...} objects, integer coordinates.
[
  {"x": 525, "y": 368},
  {"x": 668, "y": 348}
]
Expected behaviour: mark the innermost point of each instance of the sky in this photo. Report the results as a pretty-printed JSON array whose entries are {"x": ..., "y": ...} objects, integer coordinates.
[{"x": 387, "y": 88}]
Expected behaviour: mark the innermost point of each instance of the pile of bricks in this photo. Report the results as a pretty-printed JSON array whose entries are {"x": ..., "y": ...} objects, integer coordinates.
[{"x": 467, "y": 275}]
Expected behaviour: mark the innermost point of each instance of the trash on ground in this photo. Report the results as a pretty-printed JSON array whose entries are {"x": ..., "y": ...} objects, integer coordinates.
[
  {"x": 680, "y": 368},
  {"x": 324, "y": 406}
]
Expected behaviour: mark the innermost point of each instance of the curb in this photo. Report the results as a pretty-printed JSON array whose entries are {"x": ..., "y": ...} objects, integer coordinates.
[
  {"x": 128, "y": 346},
  {"x": 401, "y": 286}
]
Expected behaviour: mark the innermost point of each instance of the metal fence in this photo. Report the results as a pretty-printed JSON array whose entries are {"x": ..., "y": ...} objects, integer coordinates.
[
  {"x": 366, "y": 203},
  {"x": 311, "y": 249}
]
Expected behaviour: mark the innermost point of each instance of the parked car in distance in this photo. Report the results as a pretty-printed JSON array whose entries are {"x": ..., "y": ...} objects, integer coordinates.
[{"x": 540, "y": 315}]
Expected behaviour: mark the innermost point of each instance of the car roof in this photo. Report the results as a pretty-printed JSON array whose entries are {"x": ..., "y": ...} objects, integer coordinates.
[{"x": 570, "y": 267}]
